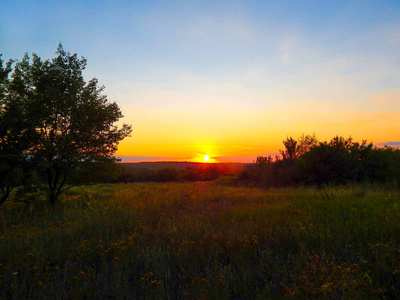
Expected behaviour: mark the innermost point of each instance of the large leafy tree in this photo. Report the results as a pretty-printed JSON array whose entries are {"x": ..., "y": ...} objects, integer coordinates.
[
  {"x": 10, "y": 172},
  {"x": 336, "y": 162},
  {"x": 16, "y": 135},
  {"x": 71, "y": 121}
]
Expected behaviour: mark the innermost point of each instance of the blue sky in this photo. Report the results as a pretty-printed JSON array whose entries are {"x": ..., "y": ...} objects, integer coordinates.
[{"x": 232, "y": 78}]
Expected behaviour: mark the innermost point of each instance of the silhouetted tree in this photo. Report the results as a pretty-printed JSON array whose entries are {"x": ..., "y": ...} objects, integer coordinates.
[
  {"x": 290, "y": 152},
  {"x": 382, "y": 165},
  {"x": 262, "y": 171},
  {"x": 335, "y": 162},
  {"x": 73, "y": 122},
  {"x": 338, "y": 161},
  {"x": 305, "y": 143},
  {"x": 16, "y": 133}
]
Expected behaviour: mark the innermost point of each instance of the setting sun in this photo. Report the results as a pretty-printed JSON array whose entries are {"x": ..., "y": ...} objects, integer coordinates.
[{"x": 206, "y": 158}]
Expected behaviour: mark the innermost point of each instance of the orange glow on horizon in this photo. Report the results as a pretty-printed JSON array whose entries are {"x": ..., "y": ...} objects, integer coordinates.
[
  {"x": 204, "y": 159},
  {"x": 181, "y": 139}
]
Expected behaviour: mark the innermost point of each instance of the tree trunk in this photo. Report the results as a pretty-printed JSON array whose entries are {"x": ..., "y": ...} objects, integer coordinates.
[{"x": 52, "y": 197}]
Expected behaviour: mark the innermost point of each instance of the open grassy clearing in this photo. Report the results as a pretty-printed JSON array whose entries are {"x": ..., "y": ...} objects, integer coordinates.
[{"x": 201, "y": 240}]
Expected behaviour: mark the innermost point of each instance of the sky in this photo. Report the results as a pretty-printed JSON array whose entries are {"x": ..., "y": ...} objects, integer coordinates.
[{"x": 228, "y": 79}]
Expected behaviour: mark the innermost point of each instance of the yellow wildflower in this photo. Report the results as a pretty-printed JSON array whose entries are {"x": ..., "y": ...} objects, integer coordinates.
[
  {"x": 327, "y": 285},
  {"x": 202, "y": 280},
  {"x": 156, "y": 282}
]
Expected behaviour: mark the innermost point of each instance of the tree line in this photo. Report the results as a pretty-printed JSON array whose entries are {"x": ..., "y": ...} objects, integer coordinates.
[
  {"x": 307, "y": 161},
  {"x": 54, "y": 126},
  {"x": 192, "y": 173}
]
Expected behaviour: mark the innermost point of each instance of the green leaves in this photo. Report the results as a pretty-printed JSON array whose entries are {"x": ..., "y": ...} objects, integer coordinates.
[
  {"x": 338, "y": 161},
  {"x": 51, "y": 115}
]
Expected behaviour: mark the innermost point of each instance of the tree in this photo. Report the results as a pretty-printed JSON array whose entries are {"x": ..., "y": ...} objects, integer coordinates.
[
  {"x": 382, "y": 165},
  {"x": 305, "y": 143},
  {"x": 15, "y": 135},
  {"x": 10, "y": 173},
  {"x": 336, "y": 162},
  {"x": 290, "y": 152},
  {"x": 294, "y": 149},
  {"x": 73, "y": 121}
]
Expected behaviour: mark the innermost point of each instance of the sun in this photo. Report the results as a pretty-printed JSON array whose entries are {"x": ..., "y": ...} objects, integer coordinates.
[{"x": 206, "y": 158}]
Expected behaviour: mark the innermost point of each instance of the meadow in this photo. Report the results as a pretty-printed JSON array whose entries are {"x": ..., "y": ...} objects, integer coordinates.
[{"x": 203, "y": 241}]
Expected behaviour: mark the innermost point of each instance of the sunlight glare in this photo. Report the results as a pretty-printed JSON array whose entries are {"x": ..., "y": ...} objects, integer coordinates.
[{"x": 206, "y": 158}]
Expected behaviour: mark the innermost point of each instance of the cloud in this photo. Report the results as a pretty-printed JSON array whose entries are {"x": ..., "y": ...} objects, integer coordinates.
[{"x": 389, "y": 144}]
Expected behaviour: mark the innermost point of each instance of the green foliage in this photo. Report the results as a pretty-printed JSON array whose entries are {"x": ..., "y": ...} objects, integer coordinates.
[
  {"x": 382, "y": 165},
  {"x": 305, "y": 143},
  {"x": 55, "y": 120},
  {"x": 201, "y": 240},
  {"x": 336, "y": 162},
  {"x": 290, "y": 152},
  {"x": 174, "y": 171},
  {"x": 339, "y": 161},
  {"x": 15, "y": 137}
]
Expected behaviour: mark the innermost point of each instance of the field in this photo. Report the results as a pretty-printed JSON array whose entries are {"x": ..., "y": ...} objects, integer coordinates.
[
  {"x": 203, "y": 241},
  {"x": 151, "y": 166}
]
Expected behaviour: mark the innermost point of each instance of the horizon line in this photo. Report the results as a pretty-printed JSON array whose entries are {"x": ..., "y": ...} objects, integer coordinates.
[{"x": 139, "y": 159}]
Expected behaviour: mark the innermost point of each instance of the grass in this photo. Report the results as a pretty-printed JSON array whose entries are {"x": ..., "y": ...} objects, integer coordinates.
[{"x": 203, "y": 241}]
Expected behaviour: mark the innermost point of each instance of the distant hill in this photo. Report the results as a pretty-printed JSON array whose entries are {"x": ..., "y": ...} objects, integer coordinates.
[{"x": 226, "y": 168}]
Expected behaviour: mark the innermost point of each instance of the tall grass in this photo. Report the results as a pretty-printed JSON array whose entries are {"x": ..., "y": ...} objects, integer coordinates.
[{"x": 203, "y": 241}]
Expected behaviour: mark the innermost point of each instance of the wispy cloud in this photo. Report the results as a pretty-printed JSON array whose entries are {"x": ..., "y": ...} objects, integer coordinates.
[{"x": 389, "y": 144}]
